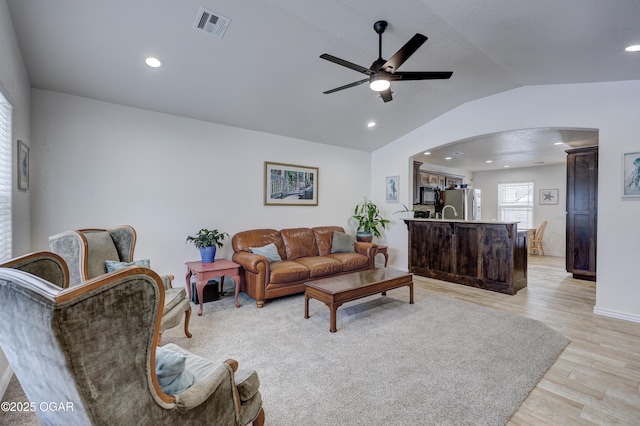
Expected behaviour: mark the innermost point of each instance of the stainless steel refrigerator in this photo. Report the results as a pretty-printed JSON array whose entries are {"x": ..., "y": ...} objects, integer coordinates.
[
  {"x": 456, "y": 198},
  {"x": 466, "y": 202}
]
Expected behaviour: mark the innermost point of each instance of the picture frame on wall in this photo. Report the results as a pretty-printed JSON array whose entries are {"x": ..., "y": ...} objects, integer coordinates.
[
  {"x": 23, "y": 166},
  {"x": 290, "y": 185},
  {"x": 548, "y": 196},
  {"x": 631, "y": 174},
  {"x": 392, "y": 189}
]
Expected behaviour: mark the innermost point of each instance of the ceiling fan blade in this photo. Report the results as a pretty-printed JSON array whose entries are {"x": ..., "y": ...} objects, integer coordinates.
[
  {"x": 346, "y": 86},
  {"x": 422, "y": 75},
  {"x": 347, "y": 64},
  {"x": 404, "y": 53},
  {"x": 386, "y": 95}
]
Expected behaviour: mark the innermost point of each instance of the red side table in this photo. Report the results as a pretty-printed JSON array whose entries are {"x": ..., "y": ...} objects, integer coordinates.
[
  {"x": 207, "y": 271},
  {"x": 383, "y": 251}
]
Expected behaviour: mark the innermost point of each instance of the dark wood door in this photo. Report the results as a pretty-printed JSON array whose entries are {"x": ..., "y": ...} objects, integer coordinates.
[{"x": 582, "y": 212}]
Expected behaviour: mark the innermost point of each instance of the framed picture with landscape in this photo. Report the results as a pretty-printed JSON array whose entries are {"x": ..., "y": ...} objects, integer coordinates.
[
  {"x": 290, "y": 185},
  {"x": 631, "y": 174}
]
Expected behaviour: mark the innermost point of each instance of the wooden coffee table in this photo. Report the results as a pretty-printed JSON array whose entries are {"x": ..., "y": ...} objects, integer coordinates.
[{"x": 344, "y": 288}]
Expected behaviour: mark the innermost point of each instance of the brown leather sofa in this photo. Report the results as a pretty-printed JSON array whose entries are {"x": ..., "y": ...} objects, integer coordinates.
[{"x": 306, "y": 256}]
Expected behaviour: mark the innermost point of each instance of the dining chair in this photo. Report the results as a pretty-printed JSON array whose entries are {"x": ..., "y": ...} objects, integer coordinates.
[{"x": 536, "y": 246}]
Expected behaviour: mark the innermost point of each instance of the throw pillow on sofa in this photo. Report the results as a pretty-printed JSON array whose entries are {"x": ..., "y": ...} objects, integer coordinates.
[
  {"x": 270, "y": 251},
  {"x": 172, "y": 375},
  {"x": 113, "y": 265},
  {"x": 342, "y": 243}
]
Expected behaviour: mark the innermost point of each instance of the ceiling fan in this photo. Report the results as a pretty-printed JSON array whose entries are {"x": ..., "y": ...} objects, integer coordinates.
[{"x": 382, "y": 72}]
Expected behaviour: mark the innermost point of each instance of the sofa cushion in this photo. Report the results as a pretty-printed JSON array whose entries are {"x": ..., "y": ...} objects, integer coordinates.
[
  {"x": 299, "y": 242},
  {"x": 101, "y": 248},
  {"x": 324, "y": 238},
  {"x": 342, "y": 243},
  {"x": 321, "y": 266},
  {"x": 173, "y": 296},
  {"x": 351, "y": 261},
  {"x": 287, "y": 271},
  {"x": 270, "y": 251}
]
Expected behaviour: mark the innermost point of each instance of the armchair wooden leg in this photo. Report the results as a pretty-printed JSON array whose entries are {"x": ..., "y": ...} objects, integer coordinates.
[
  {"x": 187, "y": 317},
  {"x": 259, "y": 421}
]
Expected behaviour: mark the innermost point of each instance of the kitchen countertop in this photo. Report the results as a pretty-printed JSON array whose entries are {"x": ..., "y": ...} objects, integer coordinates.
[{"x": 484, "y": 222}]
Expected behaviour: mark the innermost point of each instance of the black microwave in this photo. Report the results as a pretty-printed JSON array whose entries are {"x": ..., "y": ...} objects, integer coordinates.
[{"x": 427, "y": 195}]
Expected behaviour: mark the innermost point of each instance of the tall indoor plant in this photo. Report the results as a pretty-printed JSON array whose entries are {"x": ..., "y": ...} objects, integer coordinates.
[
  {"x": 207, "y": 241},
  {"x": 369, "y": 219}
]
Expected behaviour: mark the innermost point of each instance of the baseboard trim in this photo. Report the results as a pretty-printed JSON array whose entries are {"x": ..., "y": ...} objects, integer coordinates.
[
  {"x": 615, "y": 314},
  {"x": 4, "y": 380},
  {"x": 381, "y": 265}
]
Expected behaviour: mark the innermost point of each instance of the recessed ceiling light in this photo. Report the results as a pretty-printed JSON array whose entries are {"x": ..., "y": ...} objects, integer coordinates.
[
  {"x": 153, "y": 62},
  {"x": 633, "y": 48},
  {"x": 447, "y": 158},
  {"x": 559, "y": 143},
  {"x": 371, "y": 124},
  {"x": 489, "y": 161},
  {"x": 427, "y": 153},
  {"x": 506, "y": 166}
]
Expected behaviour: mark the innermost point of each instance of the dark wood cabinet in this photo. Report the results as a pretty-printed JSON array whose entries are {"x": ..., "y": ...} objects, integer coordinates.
[
  {"x": 491, "y": 256},
  {"x": 416, "y": 182},
  {"x": 582, "y": 212}
]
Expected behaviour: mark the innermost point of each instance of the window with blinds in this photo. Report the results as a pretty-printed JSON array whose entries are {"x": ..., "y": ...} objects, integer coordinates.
[
  {"x": 515, "y": 203},
  {"x": 5, "y": 178}
]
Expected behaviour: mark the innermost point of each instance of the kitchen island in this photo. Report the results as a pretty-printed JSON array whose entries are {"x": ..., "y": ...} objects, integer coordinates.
[{"x": 487, "y": 255}]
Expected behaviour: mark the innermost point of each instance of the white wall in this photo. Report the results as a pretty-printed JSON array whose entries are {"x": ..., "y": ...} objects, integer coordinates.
[
  {"x": 611, "y": 108},
  {"x": 14, "y": 85},
  {"x": 102, "y": 165},
  {"x": 543, "y": 177}
]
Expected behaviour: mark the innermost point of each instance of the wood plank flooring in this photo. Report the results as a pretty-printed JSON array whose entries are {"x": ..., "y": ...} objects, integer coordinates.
[{"x": 596, "y": 380}]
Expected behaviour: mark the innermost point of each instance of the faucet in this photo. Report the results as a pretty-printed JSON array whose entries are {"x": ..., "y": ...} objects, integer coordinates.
[{"x": 455, "y": 213}]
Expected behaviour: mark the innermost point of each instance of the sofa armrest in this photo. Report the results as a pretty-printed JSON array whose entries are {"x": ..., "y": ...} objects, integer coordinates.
[
  {"x": 167, "y": 280},
  {"x": 253, "y": 263},
  {"x": 368, "y": 249},
  {"x": 46, "y": 265}
]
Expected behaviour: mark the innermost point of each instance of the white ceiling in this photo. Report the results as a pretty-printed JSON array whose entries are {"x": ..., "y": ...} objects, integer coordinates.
[
  {"x": 265, "y": 74},
  {"x": 510, "y": 149}
]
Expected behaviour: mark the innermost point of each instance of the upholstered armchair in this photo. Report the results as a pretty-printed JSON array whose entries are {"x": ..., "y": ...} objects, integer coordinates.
[
  {"x": 92, "y": 349},
  {"x": 86, "y": 252}
]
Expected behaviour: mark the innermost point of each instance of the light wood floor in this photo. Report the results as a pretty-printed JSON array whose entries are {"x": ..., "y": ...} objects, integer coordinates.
[{"x": 596, "y": 380}]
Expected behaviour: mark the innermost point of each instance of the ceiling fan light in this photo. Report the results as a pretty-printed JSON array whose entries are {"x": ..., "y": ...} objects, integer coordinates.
[{"x": 379, "y": 84}]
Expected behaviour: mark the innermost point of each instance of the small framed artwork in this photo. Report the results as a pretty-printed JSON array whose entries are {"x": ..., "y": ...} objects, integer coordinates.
[
  {"x": 23, "y": 166},
  {"x": 548, "y": 196},
  {"x": 631, "y": 174},
  {"x": 392, "y": 189},
  {"x": 290, "y": 185}
]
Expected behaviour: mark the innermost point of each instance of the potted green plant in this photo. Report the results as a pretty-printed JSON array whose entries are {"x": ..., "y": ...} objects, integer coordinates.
[
  {"x": 410, "y": 212},
  {"x": 207, "y": 241},
  {"x": 369, "y": 219}
]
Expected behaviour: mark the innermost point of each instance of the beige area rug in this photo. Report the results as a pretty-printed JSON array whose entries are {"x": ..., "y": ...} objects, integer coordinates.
[{"x": 439, "y": 362}]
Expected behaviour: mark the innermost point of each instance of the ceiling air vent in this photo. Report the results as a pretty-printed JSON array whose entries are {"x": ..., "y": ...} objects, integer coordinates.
[{"x": 211, "y": 22}]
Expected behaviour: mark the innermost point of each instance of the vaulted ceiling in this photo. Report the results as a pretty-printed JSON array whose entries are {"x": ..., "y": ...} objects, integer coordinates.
[{"x": 265, "y": 73}]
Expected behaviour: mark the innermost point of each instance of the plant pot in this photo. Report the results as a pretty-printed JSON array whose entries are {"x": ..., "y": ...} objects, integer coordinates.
[
  {"x": 208, "y": 254},
  {"x": 364, "y": 237}
]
